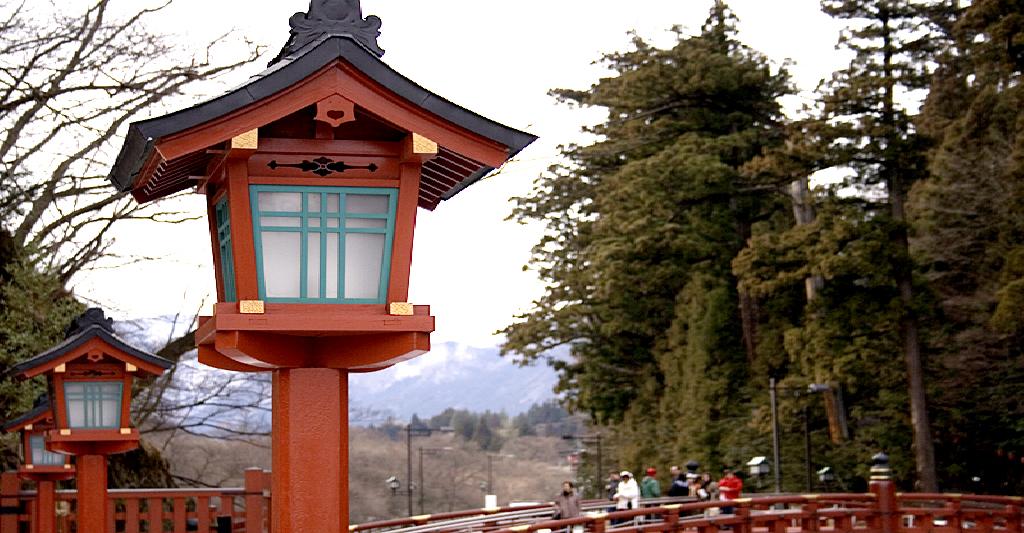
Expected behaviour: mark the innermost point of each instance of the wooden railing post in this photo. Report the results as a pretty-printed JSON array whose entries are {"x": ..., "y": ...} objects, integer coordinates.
[
  {"x": 254, "y": 500},
  {"x": 10, "y": 506},
  {"x": 884, "y": 490},
  {"x": 743, "y": 513},
  {"x": 953, "y": 521},
  {"x": 671, "y": 519},
  {"x": 810, "y": 522},
  {"x": 1013, "y": 518}
]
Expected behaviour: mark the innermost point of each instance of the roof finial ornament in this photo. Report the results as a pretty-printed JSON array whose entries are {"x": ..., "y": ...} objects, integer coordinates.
[
  {"x": 91, "y": 317},
  {"x": 332, "y": 17}
]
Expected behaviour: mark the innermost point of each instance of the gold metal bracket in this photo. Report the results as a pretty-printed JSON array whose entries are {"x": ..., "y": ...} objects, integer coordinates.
[
  {"x": 251, "y": 307},
  {"x": 400, "y": 309}
]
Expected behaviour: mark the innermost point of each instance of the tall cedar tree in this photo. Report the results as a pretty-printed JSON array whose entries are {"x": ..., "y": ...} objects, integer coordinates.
[
  {"x": 970, "y": 245},
  {"x": 870, "y": 132},
  {"x": 642, "y": 226}
]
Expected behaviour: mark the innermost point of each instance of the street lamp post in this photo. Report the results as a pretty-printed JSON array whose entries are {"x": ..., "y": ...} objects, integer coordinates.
[
  {"x": 410, "y": 432},
  {"x": 776, "y": 448},
  {"x": 595, "y": 439},
  {"x": 773, "y": 389}
]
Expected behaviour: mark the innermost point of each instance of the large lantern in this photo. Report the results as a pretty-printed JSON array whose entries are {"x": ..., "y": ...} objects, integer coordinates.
[
  {"x": 89, "y": 378},
  {"x": 313, "y": 173}
]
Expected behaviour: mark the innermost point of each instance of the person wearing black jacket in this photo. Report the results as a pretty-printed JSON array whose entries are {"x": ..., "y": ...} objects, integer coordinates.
[{"x": 678, "y": 486}]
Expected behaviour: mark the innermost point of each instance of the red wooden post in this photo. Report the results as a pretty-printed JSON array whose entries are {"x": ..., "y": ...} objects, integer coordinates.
[
  {"x": 10, "y": 486},
  {"x": 1013, "y": 518},
  {"x": 254, "y": 486},
  {"x": 178, "y": 510},
  {"x": 203, "y": 513},
  {"x": 743, "y": 513},
  {"x": 131, "y": 515},
  {"x": 155, "y": 515},
  {"x": 310, "y": 451},
  {"x": 810, "y": 520},
  {"x": 844, "y": 524},
  {"x": 92, "y": 493},
  {"x": 885, "y": 495},
  {"x": 45, "y": 519},
  {"x": 671, "y": 518}
]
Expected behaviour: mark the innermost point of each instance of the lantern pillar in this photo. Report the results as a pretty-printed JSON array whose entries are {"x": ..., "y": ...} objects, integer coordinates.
[
  {"x": 310, "y": 450},
  {"x": 46, "y": 507},
  {"x": 91, "y": 510}
]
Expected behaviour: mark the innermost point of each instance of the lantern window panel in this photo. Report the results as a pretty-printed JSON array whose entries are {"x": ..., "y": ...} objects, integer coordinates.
[
  {"x": 227, "y": 257},
  {"x": 40, "y": 456},
  {"x": 93, "y": 404},
  {"x": 323, "y": 244}
]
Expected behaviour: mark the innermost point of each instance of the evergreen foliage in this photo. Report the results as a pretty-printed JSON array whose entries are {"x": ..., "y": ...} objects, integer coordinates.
[
  {"x": 691, "y": 253},
  {"x": 643, "y": 225}
]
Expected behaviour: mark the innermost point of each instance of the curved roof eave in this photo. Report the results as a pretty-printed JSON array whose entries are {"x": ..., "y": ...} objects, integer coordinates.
[
  {"x": 50, "y": 356},
  {"x": 141, "y": 137},
  {"x": 21, "y": 421}
]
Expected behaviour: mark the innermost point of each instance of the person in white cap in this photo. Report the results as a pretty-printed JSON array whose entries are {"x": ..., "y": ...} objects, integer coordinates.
[{"x": 628, "y": 494}]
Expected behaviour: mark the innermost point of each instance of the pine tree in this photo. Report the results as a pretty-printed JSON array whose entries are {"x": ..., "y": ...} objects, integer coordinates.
[
  {"x": 970, "y": 243},
  {"x": 867, "y": 130},
  {"x": 642, "y": 227}
]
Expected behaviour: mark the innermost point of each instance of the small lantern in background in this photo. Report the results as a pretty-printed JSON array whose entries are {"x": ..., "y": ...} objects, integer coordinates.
[
  {"x": 89, "y": 379},
  {"x": 37, "y": 461},
  {"x": 826, "y": 475},
  {"x": 39, "y": 464},
  {"x": 758, "y": 466}
]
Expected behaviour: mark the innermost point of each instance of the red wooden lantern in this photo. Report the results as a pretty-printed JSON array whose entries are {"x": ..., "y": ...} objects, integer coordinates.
[
  {"x": 89, "y": 381},
  {"x": 313, "y": 173},
  {"x": 39, "y": 464}
]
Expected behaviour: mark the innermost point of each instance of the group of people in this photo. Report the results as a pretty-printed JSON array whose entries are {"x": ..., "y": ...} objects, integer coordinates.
[{"x": 623, "y": 489}]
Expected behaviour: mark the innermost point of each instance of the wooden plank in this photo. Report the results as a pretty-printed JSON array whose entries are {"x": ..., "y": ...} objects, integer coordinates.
[
  {"x": 111, "y": 513},
  {"x": 203, "y": 514},
  {"x": 155, "y": 515},
  {"x": 179, "y": 515},
  {"x": 131, "y": 515}
]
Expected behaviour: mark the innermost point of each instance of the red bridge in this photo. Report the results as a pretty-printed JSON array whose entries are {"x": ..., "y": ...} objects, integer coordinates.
[{"x": 246, "y": 509}]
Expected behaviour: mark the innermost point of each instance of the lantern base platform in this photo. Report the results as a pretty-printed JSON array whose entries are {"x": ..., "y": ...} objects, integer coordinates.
[
  {"x": 46, "y": 473},
  {"x": 93, "y": 441},
  {"x": 357, "y": 338}
]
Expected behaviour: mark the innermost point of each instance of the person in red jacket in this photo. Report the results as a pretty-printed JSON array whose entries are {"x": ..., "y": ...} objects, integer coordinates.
[{"x": 730, "y": 487}]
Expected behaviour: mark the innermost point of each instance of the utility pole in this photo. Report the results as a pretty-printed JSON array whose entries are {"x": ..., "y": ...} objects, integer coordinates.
[{"x": 776, "y": 454}]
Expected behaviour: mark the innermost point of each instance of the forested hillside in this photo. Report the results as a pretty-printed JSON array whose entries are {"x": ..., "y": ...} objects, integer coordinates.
[{"x": 695, "y": 250}]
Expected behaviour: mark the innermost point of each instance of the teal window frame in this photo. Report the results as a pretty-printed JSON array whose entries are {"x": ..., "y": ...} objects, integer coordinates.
[
  {"x": 93, "y": 395},
  {"x": 227, "y": 257},
  {"x": 48, "y": 458},
  {"x": 323, "y": 229}
]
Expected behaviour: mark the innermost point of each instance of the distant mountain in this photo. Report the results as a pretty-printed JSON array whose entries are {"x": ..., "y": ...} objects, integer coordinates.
[
  {"x": 450, "y": 375},
  {"x": 453, "y": 375}
]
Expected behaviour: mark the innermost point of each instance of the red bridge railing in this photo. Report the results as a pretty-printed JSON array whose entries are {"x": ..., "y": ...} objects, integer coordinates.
[
  {"x": 246, "y": 509},
  {"x": 218, "y": 510}
]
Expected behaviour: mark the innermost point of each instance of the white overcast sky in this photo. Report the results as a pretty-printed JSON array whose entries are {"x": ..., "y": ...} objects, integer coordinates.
[{"x": 498, "y": 58}]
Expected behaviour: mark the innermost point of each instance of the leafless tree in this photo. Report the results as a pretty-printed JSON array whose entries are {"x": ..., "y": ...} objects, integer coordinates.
[{"x": 69, "y": 83}]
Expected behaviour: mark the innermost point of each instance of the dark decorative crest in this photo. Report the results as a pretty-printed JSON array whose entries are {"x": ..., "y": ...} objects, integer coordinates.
[
  {"x": 332, "y": 17},
  {"x": 322, "y": 166},
  {"x": 91, "y": 317}
]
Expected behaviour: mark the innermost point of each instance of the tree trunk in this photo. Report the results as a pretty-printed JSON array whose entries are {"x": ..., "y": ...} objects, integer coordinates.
[
  {"x": 924, "y": 448},
  {"x": 803, "y": 213}
]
